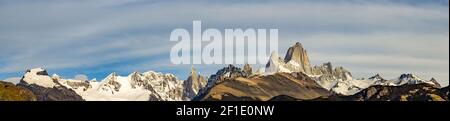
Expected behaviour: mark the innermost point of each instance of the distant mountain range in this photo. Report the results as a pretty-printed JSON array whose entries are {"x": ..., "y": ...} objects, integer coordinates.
[
  {"x": 148, "y": 86},
  {"x": 290, "y": 79}
]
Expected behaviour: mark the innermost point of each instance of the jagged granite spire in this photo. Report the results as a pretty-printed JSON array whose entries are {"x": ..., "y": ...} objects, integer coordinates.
[
  {"x": 248, "y": 69},
  {"x": 298, "y": 55},
  {"x": 193, "y": 84}
]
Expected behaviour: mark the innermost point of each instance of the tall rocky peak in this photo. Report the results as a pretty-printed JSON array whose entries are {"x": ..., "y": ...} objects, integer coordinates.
[
  {"x": 193, "y": 84},
  {"x": 274, "y": 60},
  {"x": 297, "y": 60},
  {"x": 434, "y": 81},
  {"x": 11, "y": 92},
  {"x": 408, "y": 76},
  {"x": 297, "y": 54},
  {"x": 135, "y": 76},
  {"x": 45, "y": 88},
  {"x": 248, "y": 69},
  {"x": 328, "y": 66}
]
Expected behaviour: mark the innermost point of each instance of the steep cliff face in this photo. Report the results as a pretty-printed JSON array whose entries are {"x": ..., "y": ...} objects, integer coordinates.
[
  {"x": 193, "y": 84},
  {"x": 337, "y": 79},
  {"x": 248, "y": 69},
  {"x": 414, "y": 92}
]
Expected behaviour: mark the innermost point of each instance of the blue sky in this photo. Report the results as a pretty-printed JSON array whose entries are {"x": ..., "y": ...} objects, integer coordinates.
[{"x": 96, "y": 37}]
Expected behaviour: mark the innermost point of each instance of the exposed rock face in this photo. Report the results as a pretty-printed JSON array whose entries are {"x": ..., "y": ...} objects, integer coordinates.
[
  {"x": 341, "y": 73},
  {"x": 166, "y": 86},
  {"x": 298, "y": 55},
  {"x": 111, "y": 83},
  {"x": 229, "y": 72},
  {"x": 193, "y": 84},
  {"x": 137, "y": 81},
  {"x": 10, "y": 92},
  {"x": 296, "y": 60},
  {"x": 38, "y": 76},
  {"x": 248, "y": 69},
  {"x": 263, "y": 88},
  {"x": 45, "y": 88},
  {"x": 275, "y": 64},
  {"x": 377, "y": 77},
  {"x": 410, "y": 79},
  {"x": 57, "y": 93},
  {"x": 259, "y": 72},
  {"x": 433, "y": 80},
  {"x": 73, "y": 84},
  {"x": 416, "y": 92},
  {"x": 444, "y": 91},
  {"x": 150, "y": 85},
  {"x": 325, "y": 68},
  {"x": 77, "y": 84},
  {"x": 336, "y": 79}
]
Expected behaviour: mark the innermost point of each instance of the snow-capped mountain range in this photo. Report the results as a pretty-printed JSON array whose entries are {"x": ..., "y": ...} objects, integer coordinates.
[
  {"x": 147, "y": 86},
  {"x": 401, "y": 80},
  {"x": 338, "y": 79},
  {"x": 155, "y": 86}
]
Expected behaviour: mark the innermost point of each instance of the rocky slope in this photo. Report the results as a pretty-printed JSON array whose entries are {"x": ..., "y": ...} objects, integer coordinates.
[
  {"x": 10, "y": 92},
  {"x": 193, "y": 84},
  {"x": 233, "y": 84},
  {"x": 293, "y": 78},
  {"x": 45, "y": 88},
  {"x": 336, "y": 79},
  {"x": 148, "y": 86},
  {"x": 404, "y": 79}
]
